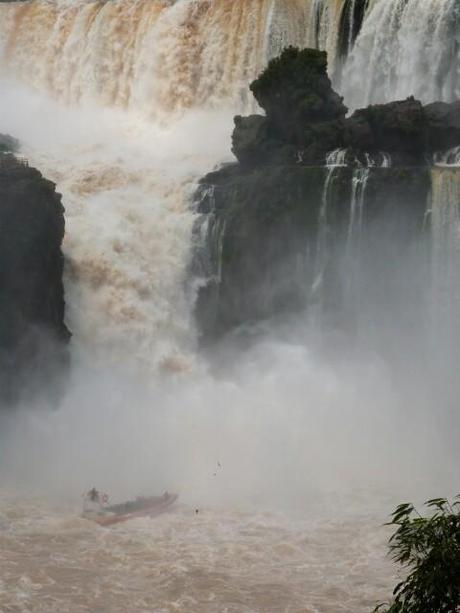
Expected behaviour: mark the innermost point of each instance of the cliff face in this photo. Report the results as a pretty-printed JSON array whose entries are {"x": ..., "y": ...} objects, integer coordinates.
[
  {"x": 33, "y": 335},
  {"x": 280, "y": 239},
  {"x": 316, "y": 200}
]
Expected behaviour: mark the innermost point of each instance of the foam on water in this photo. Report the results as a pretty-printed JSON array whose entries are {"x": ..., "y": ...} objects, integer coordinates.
[{"x": 292, "y": 456}]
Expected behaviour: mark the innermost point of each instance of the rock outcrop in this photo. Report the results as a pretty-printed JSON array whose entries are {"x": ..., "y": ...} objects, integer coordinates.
[
  {"x": 283, "y": 227},
  {"x": 278, "y": 239},
  {"x": 8, "y": 144},
  {"x": 305, "y": 119},
  {"x": 33, "y": 336}
]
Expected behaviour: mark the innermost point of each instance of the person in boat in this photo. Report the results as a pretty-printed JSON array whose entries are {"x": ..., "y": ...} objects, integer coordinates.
[{"x": 94, "y": 502}]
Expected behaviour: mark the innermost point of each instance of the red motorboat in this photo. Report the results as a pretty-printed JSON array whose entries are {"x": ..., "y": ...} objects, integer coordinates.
[{"x": 140, "y": 507}]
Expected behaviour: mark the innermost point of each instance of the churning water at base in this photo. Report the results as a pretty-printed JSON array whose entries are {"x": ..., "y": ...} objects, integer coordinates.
[
  {"x": 292, "y": 456},
  {"x": 206, "y": 562},
  {"x": 127, "y": 187},
  {"x": 291, "y": 461}
]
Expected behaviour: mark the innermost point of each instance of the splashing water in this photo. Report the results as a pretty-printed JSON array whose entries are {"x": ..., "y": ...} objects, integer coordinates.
[
  {"x": 283, "y": 451},
  {"x": 405, "y": 48},
  {"x": 126, "y": 187},
  {"x": 445, "y": 214},
  {"x": 158, "y": 56}
]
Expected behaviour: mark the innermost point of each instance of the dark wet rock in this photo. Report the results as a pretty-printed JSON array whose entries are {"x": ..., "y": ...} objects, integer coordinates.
[
  {"x": 279, "y": 221},
  {"x": 320, "y": 139},
  {"x": 8, "y": 144},
  {"x": 305, "y": 119},
  {"x": 251, "y": 141},
  {"x": 262, "y": 256},
  {"x": 443, "y": 125},
  {"x": 33, "y": 335},
  {"x": 295, "y": 90},
  {"x": 395, "y": 127}
]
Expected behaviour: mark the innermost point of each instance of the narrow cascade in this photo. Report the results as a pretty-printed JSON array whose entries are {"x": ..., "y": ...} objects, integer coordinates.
[
  {"x": 406, "y": 47},
  {"x": 351, "y": 20},
  {"x": 445, "y": 220},
  {"x": 379, "y": 160},
  {"x": 353, "y": 252},
  {"x": 351, "y": 26},
  {"x": 451, "y": 157},
  {"x": 335, "y": 161},
  {"x": 358, "y": 190}
]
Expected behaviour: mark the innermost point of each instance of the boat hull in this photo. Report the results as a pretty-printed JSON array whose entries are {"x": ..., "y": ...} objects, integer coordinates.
[{"x": 145, "y": 507}]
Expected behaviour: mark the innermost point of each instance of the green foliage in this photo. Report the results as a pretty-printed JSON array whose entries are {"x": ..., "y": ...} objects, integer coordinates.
[{"x": 429, "y": 548}]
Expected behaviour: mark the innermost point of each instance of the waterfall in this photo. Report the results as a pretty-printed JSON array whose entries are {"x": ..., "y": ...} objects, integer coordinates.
[
  {"x": 451, "y": 157},
  {"x": 335, "y": 161},
  {"x": 143, "y": 81},
  {"x": 158, "y": 56},
  {"x": 161, "y": 56},
  {"x": 154, "y": 56},
  {"x": 406, "y": 47},
  {"x": 445, "y": 222},
  {"x": 150, "y": 79},
  {"x": 358, "y": 190}
]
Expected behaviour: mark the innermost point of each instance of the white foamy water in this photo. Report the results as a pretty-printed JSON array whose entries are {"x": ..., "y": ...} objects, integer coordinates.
[
  {"x": 405, "y": 48},
  {"x": 127, "y": 188},
  {"x": 292, "y": 458}
]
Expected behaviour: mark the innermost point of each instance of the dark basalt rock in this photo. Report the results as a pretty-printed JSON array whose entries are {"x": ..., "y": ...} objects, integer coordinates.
[
  {"x": 305, "y": 119},
  {"x": 397, "y": 126},
  {"x": 251, "y": 141},
  {"x": 8, "y": 144},
  {"x": 262, "y": 254},
  {"x": 295, "y": 90},
  {"x": 443, "y": 125},
  {"x": 280, "y": 223},
  {"x": 33, "y": 336}
]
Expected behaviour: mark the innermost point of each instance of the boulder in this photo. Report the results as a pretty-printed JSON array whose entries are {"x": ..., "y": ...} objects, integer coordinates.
[
  {"x": 295, "y": 90},
  {"x": 305, "y": 120},
  {"x": 397, "y": 126},
  {"x": 250, "y": 139}
]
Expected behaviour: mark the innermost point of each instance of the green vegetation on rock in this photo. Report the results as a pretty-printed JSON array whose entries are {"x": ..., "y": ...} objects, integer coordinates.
[{"x": 429, "y": 549}]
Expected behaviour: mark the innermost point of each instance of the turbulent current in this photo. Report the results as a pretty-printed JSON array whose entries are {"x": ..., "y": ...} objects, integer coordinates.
[{"x": 287, "y": 459}]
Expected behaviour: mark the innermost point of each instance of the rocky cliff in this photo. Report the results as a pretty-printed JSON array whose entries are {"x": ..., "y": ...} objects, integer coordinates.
[
  {"x": 33, "y": 335},
  {"x": 311, "y": 188}
]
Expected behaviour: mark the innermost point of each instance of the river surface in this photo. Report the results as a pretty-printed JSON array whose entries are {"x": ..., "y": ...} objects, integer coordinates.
[{"x": 203, "y": 560}]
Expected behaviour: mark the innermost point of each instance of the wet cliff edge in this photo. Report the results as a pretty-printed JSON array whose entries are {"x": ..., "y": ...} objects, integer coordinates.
[
  {"x": 33, "y": 336},
  {"x": 276, "y": 223}
]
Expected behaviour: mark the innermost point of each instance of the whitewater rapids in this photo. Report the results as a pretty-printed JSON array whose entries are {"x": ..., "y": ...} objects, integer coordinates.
[
  {"x": 208, "y": 562},
  {"x": 292, "y": 459}
]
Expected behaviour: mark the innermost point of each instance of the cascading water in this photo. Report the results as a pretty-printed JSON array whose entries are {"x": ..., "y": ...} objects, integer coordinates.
[
  {"x": 451, "y": 157},
  {"x": 358, "y": 191},
  {"x": 158, "y": 60},
  {"x": 405, "y": 48},
  {"x": 445, "y": 223},
  {"x": 158, "y": 56},
  {"x": 151, "y": 86},
  {"x": 335, "y": 161}
]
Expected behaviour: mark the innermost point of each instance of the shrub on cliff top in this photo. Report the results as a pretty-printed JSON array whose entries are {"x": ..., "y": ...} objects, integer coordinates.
[{"x": 429, "y": 548}]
